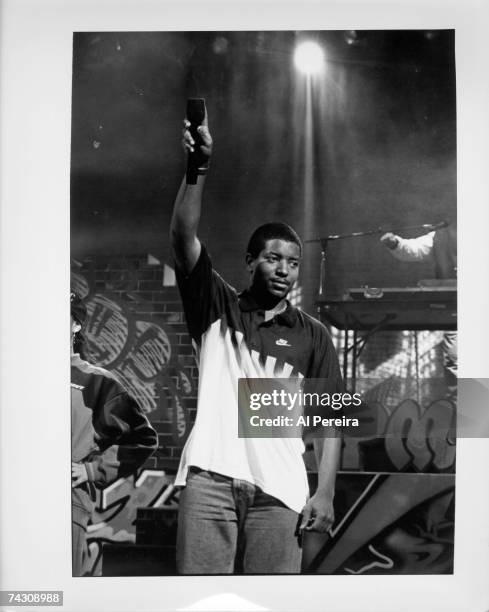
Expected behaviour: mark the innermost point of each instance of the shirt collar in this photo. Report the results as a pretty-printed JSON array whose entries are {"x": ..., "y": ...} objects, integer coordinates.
[{"x": 247, "y": 303}]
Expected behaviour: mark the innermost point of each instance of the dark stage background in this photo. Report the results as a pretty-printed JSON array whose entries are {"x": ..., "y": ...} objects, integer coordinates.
[{"x": 381, "y": 139}]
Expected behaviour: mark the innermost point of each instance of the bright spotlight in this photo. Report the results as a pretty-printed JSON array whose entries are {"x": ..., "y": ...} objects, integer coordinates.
[{"x": 309, "y": 57}]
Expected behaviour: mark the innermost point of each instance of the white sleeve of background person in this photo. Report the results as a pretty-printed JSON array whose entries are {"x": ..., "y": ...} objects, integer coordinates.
[{"x": 414, "y": 249}]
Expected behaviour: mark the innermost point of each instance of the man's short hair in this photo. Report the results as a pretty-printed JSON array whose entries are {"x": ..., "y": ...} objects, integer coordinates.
[{"x": 272, "y": 231}]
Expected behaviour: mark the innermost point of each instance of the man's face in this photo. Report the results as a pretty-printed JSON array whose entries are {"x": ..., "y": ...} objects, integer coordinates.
[{"x": 275, "y": 270}]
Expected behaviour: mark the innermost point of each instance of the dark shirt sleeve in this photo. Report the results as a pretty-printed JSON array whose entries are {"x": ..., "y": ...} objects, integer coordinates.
[
  {"x": 325, "y": 364},
  {"x": 324, "y": 377},
  {"x": 205, "y": 295},
  {"x": 124, "y": 436}
]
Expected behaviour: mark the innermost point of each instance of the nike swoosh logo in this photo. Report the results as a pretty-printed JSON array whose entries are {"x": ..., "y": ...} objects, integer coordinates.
[{"x": 282, "y": 342}]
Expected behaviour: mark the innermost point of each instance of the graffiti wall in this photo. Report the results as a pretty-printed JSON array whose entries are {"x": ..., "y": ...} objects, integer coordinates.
[
  {"x": 407, "y": 437},
  {"x": 387, "y": 524},
  {"x": 114, "y": 519}
]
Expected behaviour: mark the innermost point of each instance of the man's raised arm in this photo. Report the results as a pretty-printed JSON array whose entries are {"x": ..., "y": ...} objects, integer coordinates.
[{"x": 186, "y": 210}]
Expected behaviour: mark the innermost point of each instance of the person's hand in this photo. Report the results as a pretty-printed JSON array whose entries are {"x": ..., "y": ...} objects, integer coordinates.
[
  {"x": 390, "y": 240},
  {"x": 78, "y": 474},
  {"x": 189, "y": 144},
  {"x": 318, "y": 513}
]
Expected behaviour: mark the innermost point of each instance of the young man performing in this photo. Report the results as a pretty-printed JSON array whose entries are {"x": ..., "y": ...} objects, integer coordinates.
[
  {"x": 242, "y": 499},
  {"x": 110, "y": 436}
]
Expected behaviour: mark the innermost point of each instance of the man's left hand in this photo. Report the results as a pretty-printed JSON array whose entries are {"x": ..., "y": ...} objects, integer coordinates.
[
  {"x": 318, "y": 513},
  {"x": 78, "y": 474}
]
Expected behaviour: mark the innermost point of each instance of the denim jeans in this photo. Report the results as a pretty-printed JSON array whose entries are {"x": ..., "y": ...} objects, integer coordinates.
[{"x": 227, "y": 525}]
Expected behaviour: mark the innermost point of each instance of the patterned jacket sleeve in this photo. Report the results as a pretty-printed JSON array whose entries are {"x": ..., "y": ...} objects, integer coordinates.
[{"x": 124, "y": 437}]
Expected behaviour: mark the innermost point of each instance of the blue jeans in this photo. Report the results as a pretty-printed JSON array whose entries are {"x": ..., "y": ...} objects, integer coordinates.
[{"x": 227, "y": 525}]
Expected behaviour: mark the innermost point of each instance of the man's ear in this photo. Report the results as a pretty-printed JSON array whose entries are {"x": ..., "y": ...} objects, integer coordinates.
[
  {"x": 250, "y": 260},
  {"x": 75, "y": 327}
]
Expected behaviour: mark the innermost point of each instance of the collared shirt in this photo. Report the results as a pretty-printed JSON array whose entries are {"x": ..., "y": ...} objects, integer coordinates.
[{"x": 235, "y": 341}]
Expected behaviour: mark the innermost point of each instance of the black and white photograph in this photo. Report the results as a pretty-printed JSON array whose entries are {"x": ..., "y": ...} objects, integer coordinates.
[
  {"x": 262, "y": 204},
  {"x": 270, "y": 267}
]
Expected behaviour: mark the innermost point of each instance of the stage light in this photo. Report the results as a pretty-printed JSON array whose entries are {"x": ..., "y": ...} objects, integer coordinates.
[
  {"x": 355, "y": 38},
  {"x": 351, "y": 37},
  {"x": 309, "y": 57}
]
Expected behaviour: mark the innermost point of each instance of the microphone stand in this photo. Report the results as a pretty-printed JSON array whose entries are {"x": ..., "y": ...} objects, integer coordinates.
[{"x": 428, "y": 227}]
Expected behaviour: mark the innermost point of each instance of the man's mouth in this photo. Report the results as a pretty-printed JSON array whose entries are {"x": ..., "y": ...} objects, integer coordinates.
[{"x": 280, "y": 284}]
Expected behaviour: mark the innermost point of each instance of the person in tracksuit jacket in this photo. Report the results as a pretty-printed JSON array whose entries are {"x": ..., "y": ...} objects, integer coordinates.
[{"x": 110, "y": 436}]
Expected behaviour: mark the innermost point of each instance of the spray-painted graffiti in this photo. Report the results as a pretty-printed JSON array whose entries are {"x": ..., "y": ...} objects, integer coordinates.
[
  {"x": 114, "y": 519},
  {"x": 387, "y": 524},
  {"x": 140, "y": 350},
  {"x": 107, "y": 330},
  {"x": 403, "y": 436},
  {"x": 421, "y": 438}
]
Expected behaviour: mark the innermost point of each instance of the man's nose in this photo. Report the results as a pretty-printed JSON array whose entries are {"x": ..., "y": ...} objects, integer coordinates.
[{"x": 282, "y": 268}]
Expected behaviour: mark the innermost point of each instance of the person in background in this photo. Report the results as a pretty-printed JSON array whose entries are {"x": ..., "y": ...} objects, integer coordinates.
[
  {"x": 439, "y": 247},
  {"x": 110, "y": 436}
]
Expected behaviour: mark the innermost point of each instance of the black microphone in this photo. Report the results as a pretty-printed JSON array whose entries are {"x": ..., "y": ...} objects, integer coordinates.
[{"x": 195, "y": 115}]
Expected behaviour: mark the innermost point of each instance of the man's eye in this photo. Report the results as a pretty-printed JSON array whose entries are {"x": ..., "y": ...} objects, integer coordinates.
[{"x": 294, "y": 264}]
